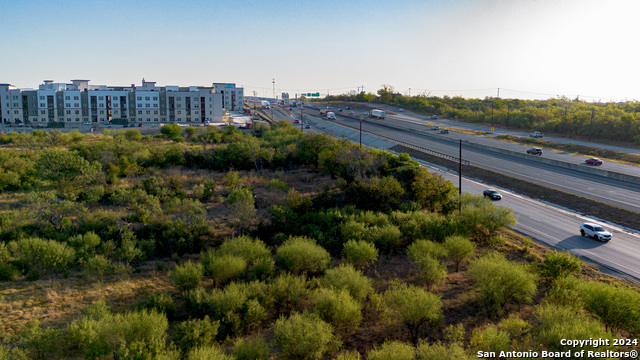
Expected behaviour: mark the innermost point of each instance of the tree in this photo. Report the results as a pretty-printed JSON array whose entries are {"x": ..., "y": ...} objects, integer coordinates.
[
  {"x": 302, "y": 255},
  {"x": 415, "y": 307},
  {"x": 360, "y": 254},
  {"x": 171, "y": 131},
  {"x": 66, "y": 169},
  {"x": 459, "y": 248},
  {"x": 242, "y": 207},
  {"x": 303, "y": 337}
]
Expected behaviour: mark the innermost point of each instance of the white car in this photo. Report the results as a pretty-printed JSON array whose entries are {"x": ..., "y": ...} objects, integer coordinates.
[
  {"x": 435, "y": 127},
  {"x": 595, "y": 231},
  {"x": 87, "y": 122}
]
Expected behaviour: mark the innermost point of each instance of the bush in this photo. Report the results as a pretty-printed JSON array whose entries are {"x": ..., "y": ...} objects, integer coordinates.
[
  {"x": 425, "y": 248},
  {"x": 196, "y": 332},
  {"x": 345, "y": 277},
  {"x": 439, "y": 351},
  {"x": 98, "y": 265},
  {"x": 303, "y": 337},
  {"x": 253, "y": 251},
  {"x": 337, "y": 308},
  {"x": 490, "y": 338},
  {"x": 387, "y": 238},
  {"x": 187, "y": 276},
  {"x": 557, "y": 322},
  {"x": 254, "y": 348},
  {"x": 392, "y": 350},
  {"x": 223, "y": 268},
  {"x": 161, "y": 302},
  {"x": 482, "y": 218},
  {"x": 502, "y": 281},
  {"x": 350, "y": 355},
  {"x": 514, "y": 326},
  {"x": 40, "y": 343},
  {"x": 8, "y": 272},
  {"x": 277, "y": 184},
  {"x": 414, "y": 307},
  {"x": 360, "y": 254},
  {"x": 458, "y": 248},
  {"x": 432, "y": 271},
  {"x": 171, "y": 130},
  {"x": 208, "y": 352},
  {"x": 287, "y": 292},
  {"x": 38, "y": 256},
  {"x": 302, "y": 255},
  {"x": 560, "y": 263},
  {"x": 616, "y": 307}
]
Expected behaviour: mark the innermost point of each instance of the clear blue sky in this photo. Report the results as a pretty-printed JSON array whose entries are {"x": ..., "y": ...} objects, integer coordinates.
[{"x": 527, "y": 48}]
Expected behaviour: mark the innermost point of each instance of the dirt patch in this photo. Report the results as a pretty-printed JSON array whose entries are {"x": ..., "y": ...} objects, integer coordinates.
[{"x": 601, "y": 210}]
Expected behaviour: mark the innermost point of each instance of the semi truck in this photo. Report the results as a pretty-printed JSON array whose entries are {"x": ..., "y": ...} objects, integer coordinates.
[
  {"x": 265, "y": 104},
  {"x": 331, "y": 115},
  {"x": 376, "y": 113}
]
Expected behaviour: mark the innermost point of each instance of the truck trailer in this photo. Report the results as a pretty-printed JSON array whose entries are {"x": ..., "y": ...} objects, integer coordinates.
[
  {"x": 265, "y": 104},
  {"x": 376, "y": 113}
]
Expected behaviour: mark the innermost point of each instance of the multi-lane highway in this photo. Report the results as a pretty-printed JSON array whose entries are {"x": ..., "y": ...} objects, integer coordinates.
[{"x": 545, "y": 223}]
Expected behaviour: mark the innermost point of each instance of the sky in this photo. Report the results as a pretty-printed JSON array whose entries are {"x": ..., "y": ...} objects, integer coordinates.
[{"x": 471, "y": 48}]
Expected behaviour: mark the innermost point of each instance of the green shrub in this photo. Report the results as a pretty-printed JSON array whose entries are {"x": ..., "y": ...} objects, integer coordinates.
[
  {"x": 232, "y": 180},
  {"x": 223, "y": 268},
  {"x": 40, "y": 343},
  {"x": 482, "y": 218},
  {"x": 208, "y": 352},
  {"x": 254, "y": 348},
  {"x": 557, "y": 322},
  {"x": 490, "y": 338},
  {"x": 337, "y": 308},
  {"x": 387, "y": 238},
  {"x": 502, "y": 281},
  {"x": 161, "y": 302},
  {"x": 439, "y": 351},
  {"x": 414, "y": 307},
  {"x": 302, "y": 255},
  {"x": 425, "y": 248},
  {"x": 8, "y": 272},
  {"x": 187, "y": 276},
  {"x": 303, "y": 337},
  {"x": 345, "y": 277},
  {"x": 277, "y": 184},
  {"x": 458, "y": 248},
  {"x": 514, "y": 326},
  {"x": 432, "y": 271},
  {"x": 615, "y": 306},
  {"x": 194, "y": 333},
  {"x": 560, "y": 263},
  {"x": 171, "y": 130},
  {"x": 98, "y": 265},
  {"x": 38, "y": 256},
  {"x": 287, "y": 292},
  {"x": 349, "y": 355},
  {"x": 392, "y": 350},
  {"x": 360, "y": 254},
  {"x": 253, "y": 251}
]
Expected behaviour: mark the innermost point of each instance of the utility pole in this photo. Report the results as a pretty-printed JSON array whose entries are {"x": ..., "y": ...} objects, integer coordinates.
[
  {"x": 565, "y": 122},
  {"x": 508, "y": 114},
  {"x": 460, "y": 179},
  {"x": 273, "y": 81},
  {"x": 591, "y": 125},
  {"x": 498, "y": 93},
  {"x": 301, "y": 120},
  {"x": 492, "y": 116},
  {"x": 360, "y": 116}
]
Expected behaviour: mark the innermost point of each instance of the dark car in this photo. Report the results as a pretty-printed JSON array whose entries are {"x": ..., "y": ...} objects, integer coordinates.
[
  {"x": 140, "y": 125},
  {"x": 492, "y": 194},
  {"x": 593, "y": 161},
  {"x": 444, "y": 131},
  {"x": 534, "y": 151},
  {"x": 307, "y": 126}
]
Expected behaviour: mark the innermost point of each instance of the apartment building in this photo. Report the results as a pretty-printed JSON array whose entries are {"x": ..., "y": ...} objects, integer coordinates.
[
  {"x": 232, "y": 96},
  {"x": 79, "y": 102}
]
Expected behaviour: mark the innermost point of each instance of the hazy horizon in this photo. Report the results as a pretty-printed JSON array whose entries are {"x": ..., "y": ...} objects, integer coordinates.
[{"x": 529, "y": 49}]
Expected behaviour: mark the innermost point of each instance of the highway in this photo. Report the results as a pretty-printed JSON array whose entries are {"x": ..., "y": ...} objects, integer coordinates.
[{"x": 545, "y": 223}]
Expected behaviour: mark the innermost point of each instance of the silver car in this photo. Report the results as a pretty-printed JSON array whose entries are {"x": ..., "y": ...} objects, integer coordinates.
[{"x": 595, "y": 231}]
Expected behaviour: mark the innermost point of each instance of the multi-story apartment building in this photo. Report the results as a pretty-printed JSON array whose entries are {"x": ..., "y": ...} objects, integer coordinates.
[
  {"x": 78, "y": 103},
  {"x": 232, "y": 96}
]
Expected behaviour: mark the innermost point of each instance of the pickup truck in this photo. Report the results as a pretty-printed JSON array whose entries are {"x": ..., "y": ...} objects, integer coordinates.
[{"x": 536, "y": 134}]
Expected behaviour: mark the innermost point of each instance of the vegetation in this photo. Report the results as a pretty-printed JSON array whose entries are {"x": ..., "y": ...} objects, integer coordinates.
[{"x": 218, "y": 244}]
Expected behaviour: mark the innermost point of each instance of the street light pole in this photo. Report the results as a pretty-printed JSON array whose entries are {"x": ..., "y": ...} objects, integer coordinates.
[
  {"x": 273, "y": 81},
  {"x": 360, "y": 131},
  {"x": 460, "y": 179}
]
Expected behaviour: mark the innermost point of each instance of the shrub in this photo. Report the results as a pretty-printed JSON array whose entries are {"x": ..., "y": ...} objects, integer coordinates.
[
  {"x": 277, "y": 184},
  {"x": 350, "y": 355},
  {"x": 560, "y": 263},
  {"x": 223, "y": 268},
  {"x": 559, "y": 322},
  {"x": 360, "y": 254},
  {"x": 287, "y": 292},
  {"x": 254, "y": 348},
  {"x": 432, "y": 271},
  {"x": 387, "y": 238},
  {"x": 232, "y": 180},
  {"x": 302, "y": 255},
  {"x": 187, "y": 276},
  {"x": 490, "y": 338},
  {"x": 98, "y": 265},
  {"x": 196, "y": 332},
  {"x": 392, "y": 350},
  {"x": 414, "y": 307},
  {"x": 8, "y": 272},
  {"x": 425, "y": 248},
  {"x": 40, "y": 343},
  {"x": 345, "y": 277},
  {"x": 303, "y": 337},
  {"x": 439, "y": 351},
  {"x": 514, "y": 326},
  {"x": 337, "y": 308},
  {"x": 616, "y": 307},
  {"x": 502, "y": 281},
  {"x": 208, "y": 352},
  {"x": 242, "y": 205},
  {"x": 161, "y": 302},
  {"x": 482, "y": 218},
  {"x": 253, "y": 251},
  {"x": 458, "y": 248},
  {"x": 171, "y": 130},
  {"x": 38, "y": 256}
]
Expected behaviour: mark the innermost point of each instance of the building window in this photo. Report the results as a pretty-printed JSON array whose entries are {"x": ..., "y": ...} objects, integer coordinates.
[
  {"x": 139, "y": 112},
  {"x": 77, "y": 111},
  {"x": 139, "y": 119},
  {"x": 15, "y": 112},
  {"x": 42, "y": 112},
  {"x": 67, "y": 97},
  {"x": 148, "y": 112},
  {"x": 155, "y": 105},
  {"x": 77, "y": 105},
  {"x": 100, "y": 97},
  {"x": 148, "y": 105},
  {"x": 68, "y": 119},
  {"x": 43, "y": 119},
  {"x": 147, "y": 98},
  {"x": 67, "y": 105},
  {"x": 42, "y": 105},
  {"x": 41, "y": 97},
  {"x": 68, "y": 112},
  {"x": 100, "y": 105},
  {"x": 179, "y": 112},
  {"x": 76, "y": 98},
  {"x": 139, "y": 98},
  {"x": 155, "y": 112},
  {"x": 155, "y": 119},
  {"x": 101, "y": 112},
  {"x": 155, "y": 98},
  {"x": 15, "y": 104},
  {"x": 179, "y": 105}
]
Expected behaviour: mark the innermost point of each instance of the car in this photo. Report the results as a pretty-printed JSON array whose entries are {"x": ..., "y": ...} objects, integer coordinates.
[
  {"x": 351, "y": 113},
  {"x": 595, "y": 231},
  {"x": 435, "y": 127},
  {"x": 434, "y": 116},
  {"x": 593, "y": 161},
  {"x": 296, "y": 121},
  {"x": 366, "y": 113},
  {"x": 87, "y": 122},
  {"x": 492, "y": 194},
  {"x": 535, "y": 151},
  {"x": 140, "y": 125},
  {"x": 340, "y": 109},
  {"x": 125, "y": 125},
  {"x": 400, "y": 110},
  {"x": 536, "y": 134},
  {"x": 348, "y": 108},
  {"x": 444, "y": 131},
  {"x": 307, "y": 126}
]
